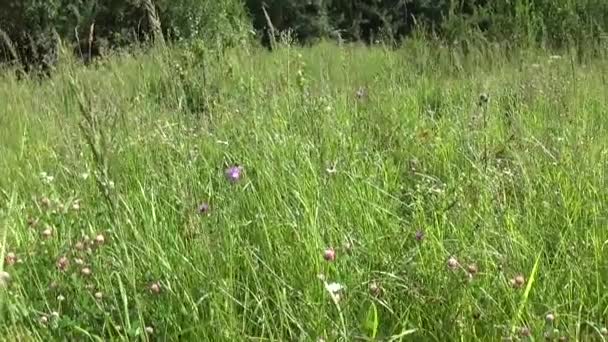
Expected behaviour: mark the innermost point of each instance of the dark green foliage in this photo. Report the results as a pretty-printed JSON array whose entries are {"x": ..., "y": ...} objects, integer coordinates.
[
  {"x": 359, "y": 19},
  {"x": 554, "y": 22},
  {"x": 91, "y": 25},
  {"x": 28, "y": 33},
  {"x": 28, "y": 26}
]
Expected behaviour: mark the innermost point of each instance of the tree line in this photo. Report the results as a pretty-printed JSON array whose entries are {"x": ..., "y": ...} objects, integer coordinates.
[{"x": 31, "y": 29}]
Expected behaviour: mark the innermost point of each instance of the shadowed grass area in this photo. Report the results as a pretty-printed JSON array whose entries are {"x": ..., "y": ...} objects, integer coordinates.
[{"x": 464, "y": 196}]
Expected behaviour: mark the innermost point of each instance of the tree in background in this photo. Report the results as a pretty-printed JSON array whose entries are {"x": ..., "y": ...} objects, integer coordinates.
[{"x": 29, "y": 27}]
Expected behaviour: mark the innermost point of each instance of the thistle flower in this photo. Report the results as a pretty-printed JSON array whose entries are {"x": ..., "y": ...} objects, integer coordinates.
[
  {"x": 329, "y": 254},
  {"x": 234, "y": 173}
]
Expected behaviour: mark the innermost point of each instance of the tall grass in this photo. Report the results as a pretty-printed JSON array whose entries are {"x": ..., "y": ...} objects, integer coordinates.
[{"x": 464, "y": 196}]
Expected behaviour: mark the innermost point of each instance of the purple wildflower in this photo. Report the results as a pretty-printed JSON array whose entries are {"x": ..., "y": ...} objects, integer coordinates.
[
  {"x": 203, "y": 208},
  {"x": 234, "y": 173},
  {"x": 419, "y": 235}
]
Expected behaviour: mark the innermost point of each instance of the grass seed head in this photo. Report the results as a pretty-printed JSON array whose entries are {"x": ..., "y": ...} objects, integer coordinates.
[
  {"x": 100, "y": 239},
  {"x": 203, "y": 208},
  {"x": 76, "y": 205},
  {"x": 518, "y": 281},
  {"x": 45, "y": 202},
  {"x": 32, "y": 222},
  {"x": 331, "y": 169},
  {"x": 419, "y": 235},
  {"x": 63, "y": 263},
  {"x": 10, "y": 259},
  {"x": 361, "y": 93},
  {"x": 348, "y": 246},
  {"x": 472, "y": 269},
  {"x": 79, "y": 246},
  {"x": 525, "y": 332},
  {"x": 550, "y": 318},
  {"x": 155, "y": 288},
  {"x": 47, "y": 233},
  {"x": 453, "y": 263},
  {"x": 375, "y": 289},
  {"x": 86, "y": 271},
  {"x": 483, "y": 98},
  {"x": 5, "y": 279}
]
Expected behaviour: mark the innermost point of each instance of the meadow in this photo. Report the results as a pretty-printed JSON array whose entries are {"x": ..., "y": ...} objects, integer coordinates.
[{"x": 329, "y": 193}]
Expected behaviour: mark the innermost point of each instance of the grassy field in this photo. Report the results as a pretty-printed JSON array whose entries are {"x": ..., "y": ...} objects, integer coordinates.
[{"x": 328, "y": 193}]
